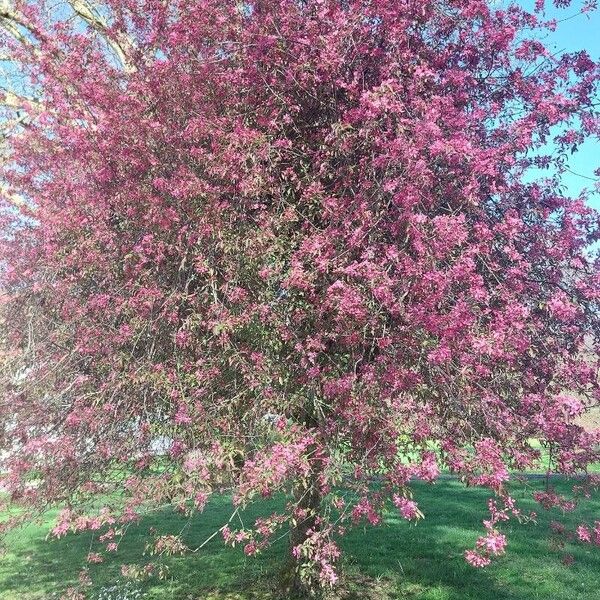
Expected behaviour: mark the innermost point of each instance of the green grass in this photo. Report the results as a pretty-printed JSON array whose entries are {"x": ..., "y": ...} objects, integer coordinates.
[
  {"x": 395, "y": 561},
  {"x": 544, "y": 459}
]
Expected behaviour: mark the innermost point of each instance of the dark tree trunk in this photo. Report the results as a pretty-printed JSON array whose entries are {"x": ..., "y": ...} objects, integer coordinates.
[
  {"x": 307, "y": 497},
  {"x": 297, "y": 579}
]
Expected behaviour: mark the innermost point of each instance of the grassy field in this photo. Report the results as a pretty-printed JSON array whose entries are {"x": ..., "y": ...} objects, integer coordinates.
[{"x": 394, "y": 561}]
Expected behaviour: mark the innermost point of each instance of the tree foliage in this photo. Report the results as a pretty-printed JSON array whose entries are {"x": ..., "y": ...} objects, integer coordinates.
[{"x": 291, "y": 245}]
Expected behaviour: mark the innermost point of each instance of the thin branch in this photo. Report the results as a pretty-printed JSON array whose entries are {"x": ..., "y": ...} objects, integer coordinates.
[
  {"x": 13, "y": 23},
  {"x": 13, "y": 100}
]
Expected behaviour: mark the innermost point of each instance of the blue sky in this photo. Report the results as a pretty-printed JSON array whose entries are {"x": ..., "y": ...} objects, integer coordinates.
[{"x": 581, "y": 32}]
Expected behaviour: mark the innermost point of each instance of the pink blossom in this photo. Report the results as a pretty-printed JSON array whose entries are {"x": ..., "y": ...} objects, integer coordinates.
[
  {"x": 561, "y": 307},
  {"x": 584, "y": 534},
  {"x": 200, "y": 500},
  {"x": 408, "y": 508},
  {"x": 250, "y": 549},
  {"x": 475, "y": 559},
  {"x": 493, "y": 542},
  {"x": 428, "y": 469},
  {"x": 94, "y": 557}
]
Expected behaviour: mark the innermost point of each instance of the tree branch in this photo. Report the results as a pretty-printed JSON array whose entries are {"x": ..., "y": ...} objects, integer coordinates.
[
  {"x": 13, "y": 100},
  {"x": 12, "y": 198},
  {"x": 12, "y": 22},
  {"x": 92, "y": 17}
]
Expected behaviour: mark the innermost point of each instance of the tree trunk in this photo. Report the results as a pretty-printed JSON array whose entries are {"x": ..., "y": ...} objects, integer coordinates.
[{"x": 307, "y": 497}]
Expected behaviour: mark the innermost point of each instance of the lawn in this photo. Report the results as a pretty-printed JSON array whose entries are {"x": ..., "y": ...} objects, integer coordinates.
[{"x": 395, "y": 561}]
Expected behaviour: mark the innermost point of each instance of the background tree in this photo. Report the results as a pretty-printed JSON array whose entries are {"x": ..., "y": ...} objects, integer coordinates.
[{"x": 291, "y": 246}]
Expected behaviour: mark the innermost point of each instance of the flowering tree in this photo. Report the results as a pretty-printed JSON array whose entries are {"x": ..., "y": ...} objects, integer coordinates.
[{"x": 291, "y": 246}]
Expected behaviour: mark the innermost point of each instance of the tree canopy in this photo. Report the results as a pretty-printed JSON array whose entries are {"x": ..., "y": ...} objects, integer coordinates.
[{"x": 291, "y": 246}]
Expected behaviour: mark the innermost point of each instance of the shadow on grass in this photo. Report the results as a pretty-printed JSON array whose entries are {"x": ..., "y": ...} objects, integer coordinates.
[
  {"x": 425, "y": 561},
  {"x": 396, "y": 561},
  {"x": 34, "y": 567}
]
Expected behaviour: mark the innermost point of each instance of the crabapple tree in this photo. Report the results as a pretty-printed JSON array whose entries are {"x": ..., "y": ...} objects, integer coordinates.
[{"x": 316, "y": 248}]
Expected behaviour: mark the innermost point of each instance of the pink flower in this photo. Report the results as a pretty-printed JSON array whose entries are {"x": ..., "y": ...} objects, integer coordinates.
[
  {"x": 428, "y": 469},
  {"x": 250, "y": 549},
  {"x": 408, "y": 508},
  {"x": 475, "y": 559},
  {"x": 584, "y": 534},
  {"x": 240, "y": 536},
  {"x": 328, "y": 575},
  {"x": 200, "y": 500},
  {"x": 561, "y": 307},
  {"x": 94, "y": 557},
  {"x": 440, "y": 355},
  {"x": 226, "y": 533},
  {"x": 493, "y": 542},
  {"x": 64, "y": 523},
  {"x": 364, "y": 508}
]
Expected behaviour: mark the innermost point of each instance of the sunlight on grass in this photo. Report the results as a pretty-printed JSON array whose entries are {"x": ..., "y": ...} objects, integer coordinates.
[{"x": 398, "y": 560}]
